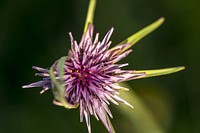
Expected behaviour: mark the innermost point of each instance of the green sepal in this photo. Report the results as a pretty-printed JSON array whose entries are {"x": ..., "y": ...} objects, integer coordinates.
[{"x": 58, "y": 87}]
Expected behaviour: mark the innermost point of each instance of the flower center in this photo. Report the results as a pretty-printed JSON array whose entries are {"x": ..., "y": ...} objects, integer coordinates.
[{"x": 83, "y": 74}]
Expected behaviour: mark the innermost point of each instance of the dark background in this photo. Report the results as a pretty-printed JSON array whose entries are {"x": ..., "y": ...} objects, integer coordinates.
[{"x": 35, "y": 32}]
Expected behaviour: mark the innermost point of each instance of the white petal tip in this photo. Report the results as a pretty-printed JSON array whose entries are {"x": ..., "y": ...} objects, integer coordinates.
[
  {"x": 128, "y": 104},
  {"x": 57, "y": 103},
  {"x": 42, "y": 91},
  {"x": 27, "y": 86}
]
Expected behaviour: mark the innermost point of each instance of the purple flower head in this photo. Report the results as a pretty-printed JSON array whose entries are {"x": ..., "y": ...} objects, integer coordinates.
[
  {"x": 88, "y": 77},
  {"x": 91, "y": 76}
]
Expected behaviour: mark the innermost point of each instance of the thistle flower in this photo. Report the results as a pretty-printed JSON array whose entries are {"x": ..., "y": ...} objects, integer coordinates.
[{"x": 88, "y": 77}]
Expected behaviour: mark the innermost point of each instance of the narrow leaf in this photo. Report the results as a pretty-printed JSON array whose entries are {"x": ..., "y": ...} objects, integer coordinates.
[
  {"x": 90, "y": 14},
  {"x": 141, "y": 118},
  {"x": 159, "y": 72},
  {"x": 141, "y": 34}
]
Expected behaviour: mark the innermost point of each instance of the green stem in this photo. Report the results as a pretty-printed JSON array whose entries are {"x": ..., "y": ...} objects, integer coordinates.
[{"x": 90, "y": 14}]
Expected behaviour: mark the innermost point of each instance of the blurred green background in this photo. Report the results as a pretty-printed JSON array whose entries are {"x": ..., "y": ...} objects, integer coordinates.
[{"x": 35, "y": 32}]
